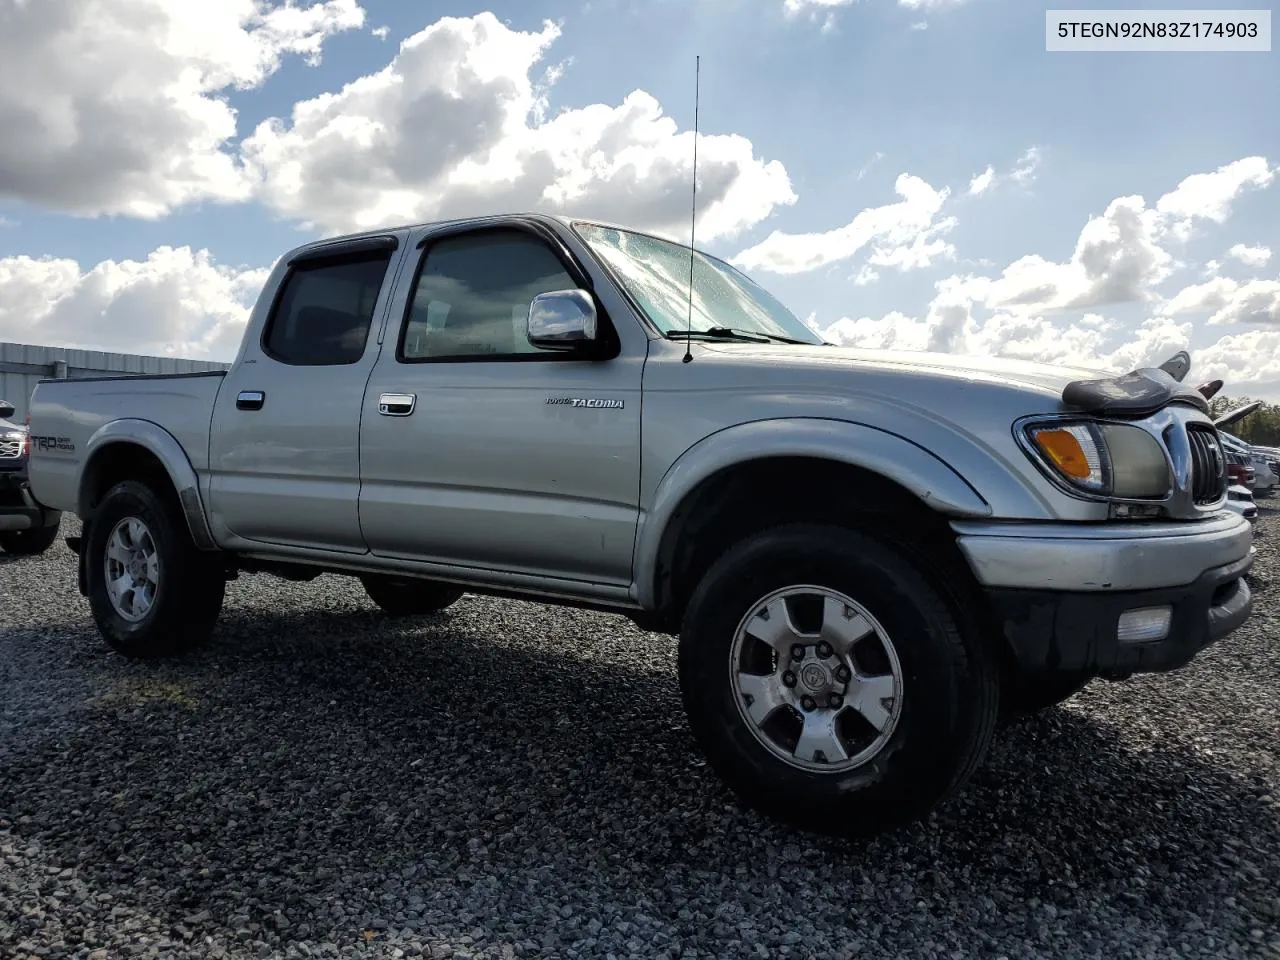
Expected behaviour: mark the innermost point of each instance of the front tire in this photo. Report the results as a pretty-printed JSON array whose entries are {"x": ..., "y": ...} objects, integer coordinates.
[
  {"x": 911, "y": 693},
  {"x": 410, "y": 597},
  {"x": 151, "y": 591},
  {"x": 29, "y": 543}
]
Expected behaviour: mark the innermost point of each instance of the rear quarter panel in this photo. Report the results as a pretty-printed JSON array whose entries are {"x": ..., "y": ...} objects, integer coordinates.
[{"x": 67, "y": 415}]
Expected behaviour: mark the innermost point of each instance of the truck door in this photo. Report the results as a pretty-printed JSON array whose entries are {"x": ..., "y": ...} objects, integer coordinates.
[
  {"x": 284, "y": 452},
  {"x": 472, "y": 451}
]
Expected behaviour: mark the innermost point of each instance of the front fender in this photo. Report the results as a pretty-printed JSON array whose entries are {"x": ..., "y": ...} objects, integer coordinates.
[
  {"x": 162, "y": 444},
  {"x": 933, "y": 480}
]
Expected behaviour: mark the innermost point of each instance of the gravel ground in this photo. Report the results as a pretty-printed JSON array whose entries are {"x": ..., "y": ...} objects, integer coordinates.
[{"x": 510, "y": 780}]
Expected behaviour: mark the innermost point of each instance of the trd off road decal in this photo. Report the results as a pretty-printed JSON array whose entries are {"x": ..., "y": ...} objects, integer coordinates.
[{"x": 50, "y": 444}]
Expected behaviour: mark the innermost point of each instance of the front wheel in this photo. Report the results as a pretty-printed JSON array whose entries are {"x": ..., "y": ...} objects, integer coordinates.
[
  {"x": 831, "y": 683},
  {"x": 29, "y": 543},
  {"x": 152, "y": 592},
  {"x": 409, "y": 597}
]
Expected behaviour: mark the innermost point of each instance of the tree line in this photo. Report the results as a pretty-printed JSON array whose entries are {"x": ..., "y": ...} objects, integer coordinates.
[{"x": 1262, "y": 427}]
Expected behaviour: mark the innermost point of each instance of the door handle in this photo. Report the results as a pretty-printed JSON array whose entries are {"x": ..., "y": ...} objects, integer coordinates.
[
  {"x": 397, "y": 404},
  {"x": 250, "y": 400}
]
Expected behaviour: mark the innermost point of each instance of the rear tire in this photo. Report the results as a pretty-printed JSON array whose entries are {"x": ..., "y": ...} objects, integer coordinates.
[
  {"x": 29, "y": 543},
  {"x": 945, "y": 682},
  {"x": 409, "y": 597},
  {"x": 1024, "y": 694},
  {"x": 162, "y": 595}
]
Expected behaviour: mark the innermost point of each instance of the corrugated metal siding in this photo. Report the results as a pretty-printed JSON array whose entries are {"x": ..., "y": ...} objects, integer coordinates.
[{"x": 22, "y": 365}]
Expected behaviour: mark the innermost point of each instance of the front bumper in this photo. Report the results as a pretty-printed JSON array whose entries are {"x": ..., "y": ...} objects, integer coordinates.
[
  {"x": 1059, "y": 590},
  {"x": 18, "y": 508}
]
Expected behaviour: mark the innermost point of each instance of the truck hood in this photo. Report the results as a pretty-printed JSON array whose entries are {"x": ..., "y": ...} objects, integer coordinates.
[
  {"x": 1102, "y": 393},
  {"x": 1015, "y": 373},
  {"x": 1042, "y": 378}
]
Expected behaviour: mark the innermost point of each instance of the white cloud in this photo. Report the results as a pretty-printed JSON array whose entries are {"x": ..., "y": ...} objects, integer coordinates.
[
  {"x": 455, "y": 126},
  {"x": 116, "y": 106},
  {"x": 1252, "y": 357},
  {"x": 866, "y": 168},
  {"x": 1024, "y": 171},
  {"x": 381, "y": 32},
  {"x": 894, "y": 331},
  {"x": 1116, "y": 260},
  {"x": 1213, "y": 294},
  {"x": 905, "y": 235},
  {"x": 1256, "y": 301},
  {"x": 1209, "y": 196},
  {"x": 800, "y": 6},
  {"x": 1155, "y": 340},
  {"x": 1229, "y": 301},
  {"x": 1043, "y": 310},
  {"x": 982, "y": 182},
  {"x": 1250, "y": 256},
  {"x": 1122, "y": 255},
  {"x": 177, "y": 302}
]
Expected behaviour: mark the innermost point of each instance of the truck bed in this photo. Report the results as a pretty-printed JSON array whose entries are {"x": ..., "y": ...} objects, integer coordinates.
[{"x": 65, "y": 415}]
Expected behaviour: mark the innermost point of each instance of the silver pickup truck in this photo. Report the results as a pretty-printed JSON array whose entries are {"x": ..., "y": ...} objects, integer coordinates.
[{"x": 868, "y": 557}]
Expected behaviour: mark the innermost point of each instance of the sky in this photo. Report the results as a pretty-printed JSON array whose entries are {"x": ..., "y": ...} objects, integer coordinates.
[{"x": 915, "y": 174}]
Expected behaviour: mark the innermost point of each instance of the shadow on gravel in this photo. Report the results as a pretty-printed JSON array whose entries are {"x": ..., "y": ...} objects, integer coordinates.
[{"x": 300, "y": 758}]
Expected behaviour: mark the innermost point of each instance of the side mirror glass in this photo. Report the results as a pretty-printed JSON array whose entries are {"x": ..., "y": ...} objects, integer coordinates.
[
  {"x": 6, "y": 410},
  {"x": 562, "y": 320}
]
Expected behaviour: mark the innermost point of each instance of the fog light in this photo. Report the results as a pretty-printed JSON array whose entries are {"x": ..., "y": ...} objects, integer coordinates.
[{"x": 1145, "y": 623}]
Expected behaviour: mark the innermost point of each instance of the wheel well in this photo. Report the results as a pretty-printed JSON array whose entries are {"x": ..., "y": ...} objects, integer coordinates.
[
  {"x": 121, "y": 461},
  {"x": 741, "y": 500}
]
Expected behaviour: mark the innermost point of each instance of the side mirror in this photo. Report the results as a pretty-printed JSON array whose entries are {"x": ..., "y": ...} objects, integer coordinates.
[
  {"x": 562, "y": 320},
  {"x": 6, "y": 410}
]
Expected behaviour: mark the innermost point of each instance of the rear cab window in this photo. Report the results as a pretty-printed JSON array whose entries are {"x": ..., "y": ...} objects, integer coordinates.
[{"x": 325, "y": 308}]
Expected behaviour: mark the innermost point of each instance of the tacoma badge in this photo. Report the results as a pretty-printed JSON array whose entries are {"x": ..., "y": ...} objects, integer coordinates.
[{"x": 593, "y": 402}]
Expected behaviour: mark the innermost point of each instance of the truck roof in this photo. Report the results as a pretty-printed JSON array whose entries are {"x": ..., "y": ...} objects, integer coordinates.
[{"x": 404, "y": 228}]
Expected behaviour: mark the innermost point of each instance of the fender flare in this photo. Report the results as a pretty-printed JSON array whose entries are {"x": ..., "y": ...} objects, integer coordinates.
[
  {"x": 164, "y": 447},
  {"x": 935, "y": 482}
]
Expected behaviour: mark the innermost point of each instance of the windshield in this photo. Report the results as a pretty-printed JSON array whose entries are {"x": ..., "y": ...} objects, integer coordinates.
[{"x": 656, "y": 273}]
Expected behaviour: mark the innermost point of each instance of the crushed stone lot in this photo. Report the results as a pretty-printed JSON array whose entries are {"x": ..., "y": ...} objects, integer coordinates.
[{"x": 513, "y": 780}]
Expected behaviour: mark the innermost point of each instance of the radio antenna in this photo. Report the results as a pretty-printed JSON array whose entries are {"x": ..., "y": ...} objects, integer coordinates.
[{"x": 693, "y": 214}]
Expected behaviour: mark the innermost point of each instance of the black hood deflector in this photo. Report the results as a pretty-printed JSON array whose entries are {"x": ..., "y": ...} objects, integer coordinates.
[{"x": 1138, "y": 393}]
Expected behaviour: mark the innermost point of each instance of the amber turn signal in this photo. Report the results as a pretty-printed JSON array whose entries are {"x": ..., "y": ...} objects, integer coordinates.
[{"x": 1065, "y": 452}]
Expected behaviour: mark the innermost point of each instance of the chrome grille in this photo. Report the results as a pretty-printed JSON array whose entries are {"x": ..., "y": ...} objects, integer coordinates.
[
  {"x": 10, "y": 447},
  {"x": 1208, "y": 464}
]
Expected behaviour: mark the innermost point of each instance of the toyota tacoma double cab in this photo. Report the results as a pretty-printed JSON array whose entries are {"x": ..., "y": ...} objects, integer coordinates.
[
  {"x": 26, "y": 528},
  {"x": 867, "y": 557}
]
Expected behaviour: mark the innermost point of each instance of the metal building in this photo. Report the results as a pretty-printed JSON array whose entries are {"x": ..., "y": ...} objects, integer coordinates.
[{"x": 22, "y": 365}]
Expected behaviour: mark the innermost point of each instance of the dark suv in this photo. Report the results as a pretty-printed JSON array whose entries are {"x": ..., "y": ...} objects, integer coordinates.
[{"x": 25, "y": 526}]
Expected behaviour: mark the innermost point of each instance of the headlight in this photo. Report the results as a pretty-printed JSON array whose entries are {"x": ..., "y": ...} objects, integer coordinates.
[{"x": 1106, "y": 459}]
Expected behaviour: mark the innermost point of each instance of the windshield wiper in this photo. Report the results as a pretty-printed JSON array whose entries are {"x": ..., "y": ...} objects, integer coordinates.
[{"x": 733, "y": 333}]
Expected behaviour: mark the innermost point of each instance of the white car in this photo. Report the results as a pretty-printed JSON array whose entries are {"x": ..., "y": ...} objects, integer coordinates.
[
  {"x": 1266, "y": 469},
  {"x": 1266, "y": 464},
  {"x": 1240, "y": 500}
]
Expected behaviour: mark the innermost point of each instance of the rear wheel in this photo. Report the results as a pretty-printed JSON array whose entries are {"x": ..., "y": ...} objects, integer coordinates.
[
  {"x": 152, "y": 592},
  {"x": 28, "y": 543},
  {"x": 830, "y": 682},
  {"x": 408, "y": 597}
]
